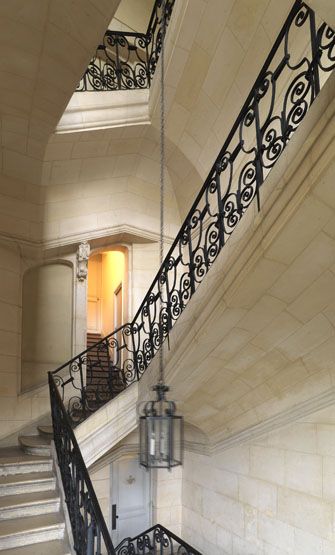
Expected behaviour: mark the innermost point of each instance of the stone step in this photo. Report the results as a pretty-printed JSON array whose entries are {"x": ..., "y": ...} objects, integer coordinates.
[
  {"x": 46, "y": 431},
  {"x": 35, "y": 445},
  {"x": 29, "y": 504},
  {"x": 31, "y": 530},
  {"x": 14, "y": 461},
  {"x": 55, "y": 547},
  {"x": 27, "y": 483}
]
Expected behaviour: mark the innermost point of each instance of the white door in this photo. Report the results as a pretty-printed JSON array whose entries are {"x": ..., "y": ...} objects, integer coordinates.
[{"x": 130, "y": 498}]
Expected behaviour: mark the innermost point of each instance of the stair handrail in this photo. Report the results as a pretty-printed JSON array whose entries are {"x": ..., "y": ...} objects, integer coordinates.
[
  {"x": 155, "y": 537},
  {"x": 88, "y": 525},
  {"x": 219, "y": 206},
  {"x": 127, "y": 59},
  {"x": 89, "y": 530}
]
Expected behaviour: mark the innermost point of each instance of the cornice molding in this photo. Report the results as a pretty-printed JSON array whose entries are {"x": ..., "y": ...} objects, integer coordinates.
[
  {"x": 88, "y": 111},
  {"x": 104, "y": 233},
  {"x": 280, "y": 420},
  {"x": 124, "y": 233}
]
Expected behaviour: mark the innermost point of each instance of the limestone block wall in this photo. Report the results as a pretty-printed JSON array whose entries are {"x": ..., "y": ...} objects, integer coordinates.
[
  {"x": 100, "y": 181},
  {"x": 167, "y": 498},
  {"x": 16, "y": 410},
  {"x": 145, "y": 263},
  {"x": 273, "y": 496},
  {"x": 20, "y": 209},
  {"x": 10, "y": 315}
]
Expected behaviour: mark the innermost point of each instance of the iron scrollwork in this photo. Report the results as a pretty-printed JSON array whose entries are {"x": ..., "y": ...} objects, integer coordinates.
[
  {"x": 89, "y": 530},
  {"x": 155, "y": 540},
  {"x": 127, "y": 60},
  {"x": 298, "y": 65}
]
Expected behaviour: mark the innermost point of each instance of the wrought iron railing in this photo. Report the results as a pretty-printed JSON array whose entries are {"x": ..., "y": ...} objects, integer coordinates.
[
  {"x": 127, "y": 60},
  {"x": 297, "y": 66},
  {"x": 155, "y": 541},
  {"x": 89, "y": 530}
]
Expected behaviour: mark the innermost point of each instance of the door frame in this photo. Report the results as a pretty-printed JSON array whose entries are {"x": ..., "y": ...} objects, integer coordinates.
[
  {"x": 114, "y": 473},
  {"x": 116, "y": 291}
]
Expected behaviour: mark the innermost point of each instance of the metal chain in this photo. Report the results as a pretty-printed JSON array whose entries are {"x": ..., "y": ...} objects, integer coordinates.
[{"x": 162, "y": 180}]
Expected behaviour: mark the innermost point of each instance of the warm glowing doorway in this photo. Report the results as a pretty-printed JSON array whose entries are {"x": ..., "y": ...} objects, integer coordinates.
[{"x": 107, "y": 291}]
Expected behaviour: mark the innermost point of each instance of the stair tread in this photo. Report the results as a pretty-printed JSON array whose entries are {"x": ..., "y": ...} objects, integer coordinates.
[
  {"x": 47, "y": 429},
  {"x": 32, "y": 477},
  {"x": 54, "y": 547},
  {"x": 23, "y": 499},
  {"x": 15, "y": 455},
  {"x": 30, "y": 524},
  {"x": 34, "y": 441}
]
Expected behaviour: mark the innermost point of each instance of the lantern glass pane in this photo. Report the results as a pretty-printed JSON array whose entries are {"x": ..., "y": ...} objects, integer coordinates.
[
  {"x": 177, "y": 441},
  {"x": 161, "y": 440},
  {"x": 143, "y": 442}
]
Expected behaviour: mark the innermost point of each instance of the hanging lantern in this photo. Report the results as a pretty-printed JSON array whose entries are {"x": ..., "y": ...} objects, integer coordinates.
[{"x": 161, "y": 432}]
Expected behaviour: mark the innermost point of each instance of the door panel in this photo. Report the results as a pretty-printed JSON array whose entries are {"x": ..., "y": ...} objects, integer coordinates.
[
  {"x": 131, "y": 495},
  {"x": 93, "y": 314}
]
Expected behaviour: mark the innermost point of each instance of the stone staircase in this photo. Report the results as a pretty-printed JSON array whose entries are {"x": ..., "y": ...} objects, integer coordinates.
[{"x": 31, "y": 520}]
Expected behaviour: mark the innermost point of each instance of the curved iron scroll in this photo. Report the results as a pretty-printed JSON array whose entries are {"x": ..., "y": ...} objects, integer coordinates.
[
  {"x": 89, "y": 530},
  {"x": 296, "y": 68},
  {"x": 127, "y": 60},
  {"x": 155, "y": 540}
]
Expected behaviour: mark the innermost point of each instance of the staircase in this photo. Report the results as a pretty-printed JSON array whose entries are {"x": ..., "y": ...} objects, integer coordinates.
[
  {"x": 97, "y": 371},
  {"x": 31, "y": 521},
  {"x": 103, "y": 379}
]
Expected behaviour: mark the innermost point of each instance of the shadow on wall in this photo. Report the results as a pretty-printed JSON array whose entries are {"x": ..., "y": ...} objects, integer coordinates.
[{"x": 47, "y": 299}]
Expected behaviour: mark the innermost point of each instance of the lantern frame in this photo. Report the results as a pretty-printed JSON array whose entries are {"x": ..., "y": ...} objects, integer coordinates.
[{"x": 161, "y": 432}]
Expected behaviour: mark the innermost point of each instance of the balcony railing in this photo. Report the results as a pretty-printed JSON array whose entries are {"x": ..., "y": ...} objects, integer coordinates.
[
  {"x": 127, "y": 60},
  {"x": 290, "y": 80},
  {"x": 89, "y": 530}
]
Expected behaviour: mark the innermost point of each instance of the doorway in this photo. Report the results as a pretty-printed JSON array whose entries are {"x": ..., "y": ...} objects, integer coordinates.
[
  {"x": 94, "y": 316},
  {"x": 106, "y": 306},
  {"x": 130, "y": 499}
]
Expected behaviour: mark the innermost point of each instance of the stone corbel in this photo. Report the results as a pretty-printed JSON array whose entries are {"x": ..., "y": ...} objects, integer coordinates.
[{"x": 83, "y": 254}]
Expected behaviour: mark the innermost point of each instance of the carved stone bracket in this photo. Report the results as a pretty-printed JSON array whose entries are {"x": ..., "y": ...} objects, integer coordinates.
[{"x": 83, "y": 254}]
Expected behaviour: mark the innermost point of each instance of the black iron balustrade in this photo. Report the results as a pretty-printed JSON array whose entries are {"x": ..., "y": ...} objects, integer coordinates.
[
  {"x": 155, "y": 541},
  {"x": 89, "y": 530},
  {"x": 127, "y": 60},
  {"x": 297, "y": 66}
]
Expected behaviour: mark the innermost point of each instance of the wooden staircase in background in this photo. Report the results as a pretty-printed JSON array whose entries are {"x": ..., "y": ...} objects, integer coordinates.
[{"x": 103, "y": 381}]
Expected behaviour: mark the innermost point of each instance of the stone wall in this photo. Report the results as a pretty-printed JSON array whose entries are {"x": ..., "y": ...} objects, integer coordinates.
[
  {"x": 167, "y": 499},
  {"x": 101, "y": 484},
  {"x": 273, "y": 496}
]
